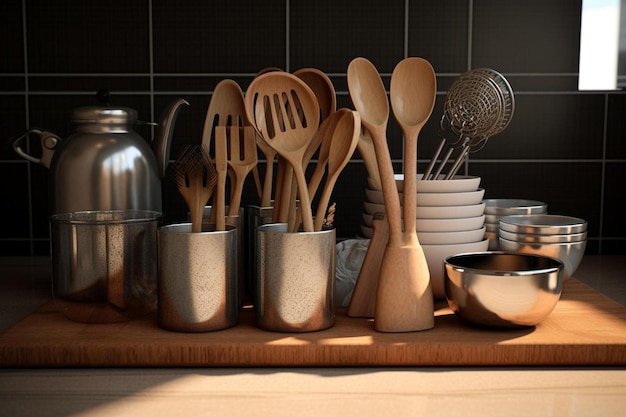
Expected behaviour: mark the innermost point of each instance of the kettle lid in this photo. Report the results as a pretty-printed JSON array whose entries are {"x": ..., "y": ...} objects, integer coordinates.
[{"x": 104, "y": 115}]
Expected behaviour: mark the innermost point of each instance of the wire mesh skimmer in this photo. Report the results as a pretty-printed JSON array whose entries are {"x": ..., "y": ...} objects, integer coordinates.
[{"x": 479, "y": 104}]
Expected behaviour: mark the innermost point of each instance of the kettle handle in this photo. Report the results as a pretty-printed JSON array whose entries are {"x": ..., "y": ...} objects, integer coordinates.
[{"x": 49, "y": 141}]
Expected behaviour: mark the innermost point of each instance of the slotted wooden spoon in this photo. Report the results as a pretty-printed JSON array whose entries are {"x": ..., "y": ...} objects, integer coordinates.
[{"x": 286, "y": 113}]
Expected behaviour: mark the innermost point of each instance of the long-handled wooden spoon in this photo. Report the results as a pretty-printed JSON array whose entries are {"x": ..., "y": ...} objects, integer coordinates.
[
  {"x": 345, "y": 136},
  {"x": 369, "y": 97},
  {"x": 413, "y": 90},
  {"x": 404, "y": 299},
  {"x": 286, "y": 113}
]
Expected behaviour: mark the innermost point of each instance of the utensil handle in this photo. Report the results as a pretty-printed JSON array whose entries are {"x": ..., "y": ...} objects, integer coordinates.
[
  {"x": 431, "y": 164},
  {"x": 443, "y": 163},
  {"x": 219, "y": 202},
  {"x": 457, "y": 163}
]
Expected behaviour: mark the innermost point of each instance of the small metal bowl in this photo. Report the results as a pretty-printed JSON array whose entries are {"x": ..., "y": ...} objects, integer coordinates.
[
  {"x": 502, "y": 289},
  {"x": 570, "y": 253},
  {"x": 513, "y": 206},
  {"x": 544, "y": 224},
  {"x": 533, "y": 238}
]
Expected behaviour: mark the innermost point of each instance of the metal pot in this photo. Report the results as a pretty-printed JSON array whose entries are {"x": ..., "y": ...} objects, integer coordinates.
[
  {"x": 104, "y": 264},
  {"x": 104, "y": 164}
]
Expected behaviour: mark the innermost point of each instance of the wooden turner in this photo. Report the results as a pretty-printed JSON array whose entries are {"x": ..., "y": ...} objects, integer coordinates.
[{"x": 242, "y": 158}]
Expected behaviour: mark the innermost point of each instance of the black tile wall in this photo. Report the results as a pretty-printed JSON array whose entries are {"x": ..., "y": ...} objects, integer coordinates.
[{"x": 563, "y": 146}]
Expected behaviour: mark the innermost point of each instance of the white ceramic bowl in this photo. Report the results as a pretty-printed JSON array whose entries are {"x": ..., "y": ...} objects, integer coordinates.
[
  {"x": 439, "y": 225},
  {"x": 433, "y": 212},
  {"x": 458, "y": 183},
  {"x": 451, "y": 238},
  {"x": 462, "y": 198},
  {"x": 436, "y": 255}
]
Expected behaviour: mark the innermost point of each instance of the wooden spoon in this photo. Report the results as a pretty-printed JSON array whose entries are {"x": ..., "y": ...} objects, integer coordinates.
[
  {"x": 323, "y": 89},
  {"x": 286, "y": 113},
  {"x": 368, "y": 154},
  {"x": 370, "y": 100},
  {"x": 404, "y": 298},
  {"x": 413, "y": 91},
  {"x": 345, "y": 137}
]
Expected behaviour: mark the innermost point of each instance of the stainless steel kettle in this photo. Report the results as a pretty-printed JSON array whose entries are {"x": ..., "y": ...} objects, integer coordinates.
[{"x": 104, "y": 164}]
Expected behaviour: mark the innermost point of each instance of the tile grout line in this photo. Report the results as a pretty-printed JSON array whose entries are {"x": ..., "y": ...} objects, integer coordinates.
[
  {"x": 603, "y": 170},
  {"x": 151, "y": 66},
  {"x": 29, "y": 197},
  {"x": 287, "y": 34}
]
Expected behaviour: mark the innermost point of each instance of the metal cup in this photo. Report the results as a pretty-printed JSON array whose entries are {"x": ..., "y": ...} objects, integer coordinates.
[
  {"x": 296, "y": 279},
  {"x": 255, "y": 216},
  {"x": 234, "y": 221},
  {"x": 197, "y": 278}
]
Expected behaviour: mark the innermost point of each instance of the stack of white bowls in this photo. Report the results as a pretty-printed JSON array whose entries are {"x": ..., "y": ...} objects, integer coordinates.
[
  {"x": 497, "y": 208},
  {"x": 449, "y": 219},
  {"x": 561, "y": 237}
]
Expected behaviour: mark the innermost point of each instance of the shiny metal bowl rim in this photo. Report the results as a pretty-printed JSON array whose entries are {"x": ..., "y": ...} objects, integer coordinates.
[
  {"x": 502, "y": 206},
  {"x": 543, "y": 224},
  {"x": 559, "y": 265}
]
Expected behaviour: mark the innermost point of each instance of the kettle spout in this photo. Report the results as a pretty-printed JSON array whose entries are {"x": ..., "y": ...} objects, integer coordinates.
[{"x": 165, "y": 130}]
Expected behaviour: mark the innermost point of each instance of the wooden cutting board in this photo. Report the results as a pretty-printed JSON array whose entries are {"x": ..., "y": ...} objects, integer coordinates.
[{"x": 586, "y": 328}]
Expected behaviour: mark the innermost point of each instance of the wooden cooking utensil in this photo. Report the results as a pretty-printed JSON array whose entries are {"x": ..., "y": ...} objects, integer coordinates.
[
  {"x": 321, "y": 141},
  {"x": 368, "y": 154},
  {"x": 363, "y": 300},
  {"x": 322, "y": 87},
  {"x": 286, "y": 113},
  {"x": 218, "y": 215},
  {"x": 226, "y": 108},
  {"x": 242, "y": 158},
  {"x": 370, "y": 100},
  {"x": 268, "y": 178},
  {"x": 345, "y": 136},
  {"x": 413, "y": 90},
  {"x": 404, "y": 299},
  {"x": 195, "y": 177},
  {"x": 325, "y": 134}
]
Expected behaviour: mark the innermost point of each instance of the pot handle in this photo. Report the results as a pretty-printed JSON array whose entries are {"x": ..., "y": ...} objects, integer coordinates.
[{"x": 49, "y": 142}]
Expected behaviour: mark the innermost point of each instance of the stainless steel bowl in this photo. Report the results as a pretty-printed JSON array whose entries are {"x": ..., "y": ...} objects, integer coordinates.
[
  {"x": 502, "y": 289},
  {"x": 533, "y": 238},
  {"x": 570, "y": 253},
  {"x": 513, "y": 206},
  {"x": 545, "y": 224}
]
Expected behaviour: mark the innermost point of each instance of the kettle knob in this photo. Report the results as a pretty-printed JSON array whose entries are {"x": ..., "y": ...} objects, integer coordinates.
[{"x": 103, "y": 96}]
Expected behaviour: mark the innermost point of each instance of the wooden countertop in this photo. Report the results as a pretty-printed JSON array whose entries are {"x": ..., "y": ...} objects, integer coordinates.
[{"x": 315, "y": 391}]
